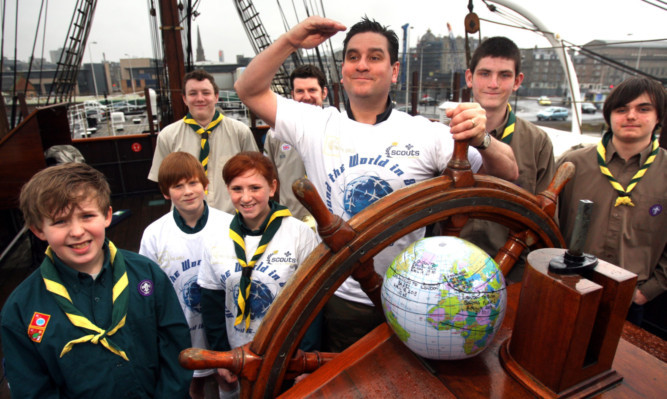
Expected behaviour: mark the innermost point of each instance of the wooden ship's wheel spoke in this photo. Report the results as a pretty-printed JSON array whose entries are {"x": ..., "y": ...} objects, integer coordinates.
[{"x": 349, "y": 248}]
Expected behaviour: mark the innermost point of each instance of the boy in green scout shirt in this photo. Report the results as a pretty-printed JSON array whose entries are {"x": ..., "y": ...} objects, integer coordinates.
[{"x": 93, "y": 321}]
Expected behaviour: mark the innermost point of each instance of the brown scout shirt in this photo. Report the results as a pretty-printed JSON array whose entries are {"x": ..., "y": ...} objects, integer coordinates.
[
  {"x": 535, "y": 158},
  {"x": 632, "y": 237}
]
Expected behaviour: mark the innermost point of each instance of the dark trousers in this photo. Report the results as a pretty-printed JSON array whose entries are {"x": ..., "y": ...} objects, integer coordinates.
[
  {"x": 636, "y": 314},
  {"x": 346, "y": 322}
]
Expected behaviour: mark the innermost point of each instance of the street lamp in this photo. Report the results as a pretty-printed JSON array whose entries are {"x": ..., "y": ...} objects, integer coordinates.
[
  {"x": 639, "y": 53},
  {"x": 421, "y": 68},
  {"x": 407, "y": 69},
  {"x": 92, "y": 67}
]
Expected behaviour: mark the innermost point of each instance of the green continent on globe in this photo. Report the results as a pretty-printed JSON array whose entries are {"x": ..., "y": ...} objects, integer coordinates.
[
  {"x": 401, "y": 332},
  {"x": 401, "y": 265}
]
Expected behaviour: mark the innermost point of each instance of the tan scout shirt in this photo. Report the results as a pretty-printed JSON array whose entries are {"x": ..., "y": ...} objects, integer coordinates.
[
  {"x": 227, "y": 139},
  {"x": 290, "y": 168},
  {"x": 535, "y": 157},
  {"x": 634, "y": 238}
]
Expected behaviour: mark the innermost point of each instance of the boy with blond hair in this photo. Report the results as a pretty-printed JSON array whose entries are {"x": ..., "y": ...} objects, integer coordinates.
[
  {"x": 93, "y": 320},
  {"x": 177, "y": 242}
]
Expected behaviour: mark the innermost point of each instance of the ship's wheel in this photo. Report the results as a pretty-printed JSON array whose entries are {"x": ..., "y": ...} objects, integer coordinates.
[{"x": 349, "y": 247}]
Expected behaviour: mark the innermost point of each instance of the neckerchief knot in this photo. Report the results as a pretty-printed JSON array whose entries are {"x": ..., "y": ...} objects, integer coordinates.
[
  {"x": 204, "y": 133},
  {"x": 624, "y": 193},
  {"x": 120, "y": 298}
]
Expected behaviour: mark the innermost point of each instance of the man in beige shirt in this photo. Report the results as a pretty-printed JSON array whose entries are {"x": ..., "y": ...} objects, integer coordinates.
[
  {"x": 205, "y": 133},
  {"x": 626, "y": 178},
  {"x": 308, "y": 86}
]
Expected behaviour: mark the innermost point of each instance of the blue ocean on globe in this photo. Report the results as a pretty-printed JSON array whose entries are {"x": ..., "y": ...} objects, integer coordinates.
[{"x": 444, "y": 298}]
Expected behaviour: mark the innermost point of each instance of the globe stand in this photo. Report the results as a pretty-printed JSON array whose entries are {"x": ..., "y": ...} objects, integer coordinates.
[{"x": 567, "y": 328}]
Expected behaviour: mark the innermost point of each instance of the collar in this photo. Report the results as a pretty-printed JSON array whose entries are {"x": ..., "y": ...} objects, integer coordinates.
[
  {"x": 379, "y": 118},
  {"x": 640, "y": 158},
  {"x": 501, "y": 128},
  {"x": 199, "y": 226},
  {"x": 215, "y": 116},
  {"x": 247, "y": 231},
  {"x": 73, "y": 278}
]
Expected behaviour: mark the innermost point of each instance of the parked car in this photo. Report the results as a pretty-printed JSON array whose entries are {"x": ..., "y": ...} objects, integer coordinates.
[
  {"x": 552, "y": 114},
  {"x": 126, "y": 107},
  {"x": 544, "y": 100},
  {"x": 95, "y": 110},
  {"x": 588, "y": 108},
  {"x": 428, "y": 100},
  {"x": 96, "y": 114},
  {"x": 404, "y": 108}
]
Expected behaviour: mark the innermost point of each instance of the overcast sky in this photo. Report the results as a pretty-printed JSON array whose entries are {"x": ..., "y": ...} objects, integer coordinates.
[{"x": 122, "y": 27}]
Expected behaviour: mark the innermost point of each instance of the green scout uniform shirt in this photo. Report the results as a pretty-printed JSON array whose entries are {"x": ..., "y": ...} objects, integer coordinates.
[{"x": 154, "y": 334}]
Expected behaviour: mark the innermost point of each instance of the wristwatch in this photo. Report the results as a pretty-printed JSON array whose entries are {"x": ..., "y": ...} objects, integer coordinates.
[{"x": 486, "y": 142}]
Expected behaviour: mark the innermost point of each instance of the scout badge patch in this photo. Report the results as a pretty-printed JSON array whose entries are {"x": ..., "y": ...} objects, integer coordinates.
[{"x": 37, "y": 326}]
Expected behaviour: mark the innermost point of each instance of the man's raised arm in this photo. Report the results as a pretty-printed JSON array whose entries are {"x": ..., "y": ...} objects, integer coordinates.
[{"x": 254, "y": 85}]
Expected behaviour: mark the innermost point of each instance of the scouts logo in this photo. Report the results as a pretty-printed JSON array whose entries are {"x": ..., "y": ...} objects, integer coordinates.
[
  {"x": 655, "y": 210},
  {"x": 145, "y": 287},
  {"x": 37, "y": 326}
]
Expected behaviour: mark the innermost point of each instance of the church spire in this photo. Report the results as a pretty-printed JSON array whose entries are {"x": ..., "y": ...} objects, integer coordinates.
[{"x": 200, "y": 48}]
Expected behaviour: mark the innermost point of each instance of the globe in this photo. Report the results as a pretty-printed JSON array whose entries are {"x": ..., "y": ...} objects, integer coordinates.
[{"x": 444, "y": 298}]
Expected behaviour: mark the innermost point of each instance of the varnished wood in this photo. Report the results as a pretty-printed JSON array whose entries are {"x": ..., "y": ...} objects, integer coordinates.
[
  {"x": 171, "y": 39},
  {"x": 242, "y": 362},
  {"x": 482, "y": 376},
  {"x": 549, "y": 197},
  {"x": 332, "y": 228},
  {"x": 357, "y": 241},
  {"x": 568, "y": 327},
  {"x": 22, "y": 149},
  {"x": 645, "y": 341},
  {"x": 519, "y": 241},
  {"x": 377, "y": 227},
  {"x": 510, "y": 253},
  {"x": 376, "y": 366},
  {"x": 458, "y": 167}
]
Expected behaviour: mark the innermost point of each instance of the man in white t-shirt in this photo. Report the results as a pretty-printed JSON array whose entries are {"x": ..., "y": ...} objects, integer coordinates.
[{"x": 358, "y": 156}]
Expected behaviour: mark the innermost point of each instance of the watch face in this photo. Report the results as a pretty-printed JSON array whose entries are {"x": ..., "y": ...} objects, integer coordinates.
[{"x": 485, "y": 142}]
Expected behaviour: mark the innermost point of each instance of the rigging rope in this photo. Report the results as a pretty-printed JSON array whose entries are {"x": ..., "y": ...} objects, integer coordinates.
[
  {"x": 32, "y": 53},
  {"x": 41, "y": 68}
]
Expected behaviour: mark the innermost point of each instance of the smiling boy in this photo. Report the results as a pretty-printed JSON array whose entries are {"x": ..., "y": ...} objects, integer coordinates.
[
  {"x": 494, "y": 74},
  {"x": 207, "y": 134},
  {"x": 177, "y": 242},
  {"x": 625, "y": 176},
  {"x": 93, "y": 320}
]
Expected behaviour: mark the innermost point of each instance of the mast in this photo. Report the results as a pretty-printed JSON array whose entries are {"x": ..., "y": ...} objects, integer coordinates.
[{"x": 173, "y": 54}]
